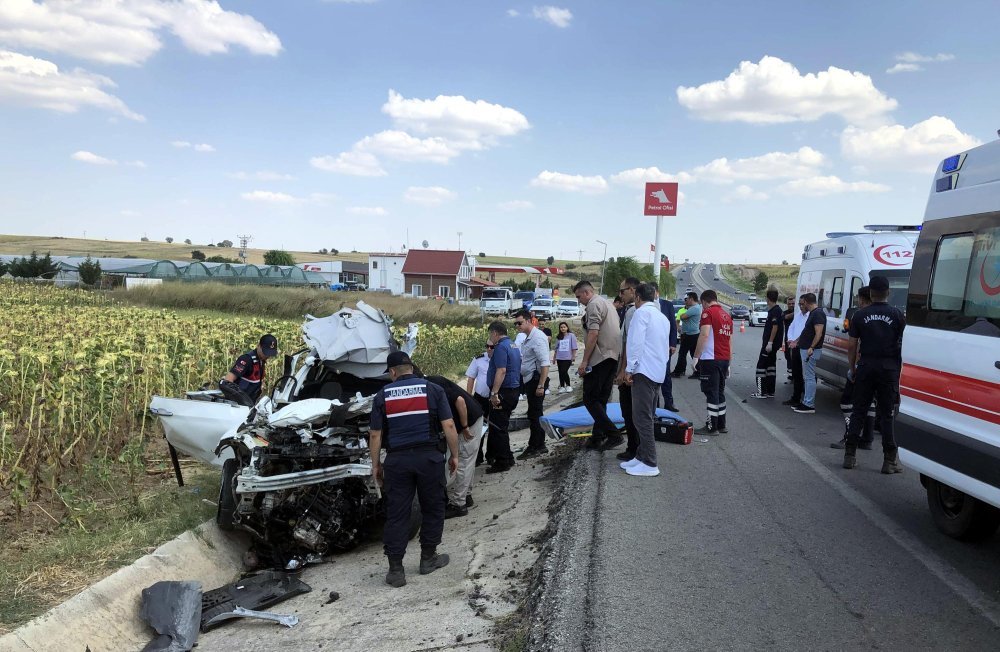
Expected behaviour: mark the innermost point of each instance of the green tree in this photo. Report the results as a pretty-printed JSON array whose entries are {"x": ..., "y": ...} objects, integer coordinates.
[
  {"x": 221, "y": 259},
  {"x": 618, "y": 269},
  {"x": 33, "y": 266},
  {"x": 4, "y": 267},
  {"x": 143, "y": 239},
  {"x": 278, "y": 257},
  {"x": 760, "y": 282},
  {"x": 668, "y": 284},
  {"x": 89, "y": 271},
  {"x": 170, "y": 240},
  {"x": 197, "y": 255},
  {"x": 187, "y": 241},
  {"x": 550, "y": 260}
]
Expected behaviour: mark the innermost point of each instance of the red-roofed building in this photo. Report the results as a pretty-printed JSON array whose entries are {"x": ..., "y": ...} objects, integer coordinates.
[{"x": 437, "y": 272}]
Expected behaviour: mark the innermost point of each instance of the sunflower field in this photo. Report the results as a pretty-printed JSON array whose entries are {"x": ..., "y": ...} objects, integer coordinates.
[{"x": 77, "y": 371}]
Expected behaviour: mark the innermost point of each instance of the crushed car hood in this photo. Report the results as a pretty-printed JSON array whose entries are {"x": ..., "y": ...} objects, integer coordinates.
[{"x": 357, "y": 342}]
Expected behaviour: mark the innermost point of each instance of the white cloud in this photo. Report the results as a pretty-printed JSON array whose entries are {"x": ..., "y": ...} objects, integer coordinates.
[
  {"x": 198, "y": 147},
  {"x": 904, "y": 67},
  {"x": 374, "y": 211},
  {"x": 464, "y": 123},
  {"x": 270, "y": 197},
  {"x": 774, "y": 91},
  {"x": 180, "y": 144},
  {"x": 638, "y": 177},
  {"x": 513, "y": 13},
  {"x": 136, "y": 164},
  {"x": 203, "y": 147},
  {"x": 745, "y": 193},
  {"x": 918, "y": 148},
  {"x": 401, "y": 146},
  {"x": 557, "y": 16},
  {"x": 263, "y": 175},
  {"x": 594, "y": 185},
  {"x": 515, "y": 205},
  {"x": 29, "y": 81},
  {"x": 774, "y": 165},
  {"x": 89, "y": 157},
  {"x": 829, "y": 185},
  {"x": 128, "y": 32},
  {"x": 359, "y": 164},
  {"x": 428, "y": 196},
  {"x": 913, "y": 57}
]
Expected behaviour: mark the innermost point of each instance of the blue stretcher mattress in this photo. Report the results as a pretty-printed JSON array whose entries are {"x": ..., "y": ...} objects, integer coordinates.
[{"x": 576, "y": 421}]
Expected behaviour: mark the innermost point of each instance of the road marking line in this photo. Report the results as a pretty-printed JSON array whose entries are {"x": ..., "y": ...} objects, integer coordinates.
[{"x": 945, "y": 572}]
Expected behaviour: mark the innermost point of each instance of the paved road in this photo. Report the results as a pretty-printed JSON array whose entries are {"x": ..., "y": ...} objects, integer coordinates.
[{"x": 759, "y": 540}]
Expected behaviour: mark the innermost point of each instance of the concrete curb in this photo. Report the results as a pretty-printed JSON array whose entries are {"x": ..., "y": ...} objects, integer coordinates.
[{"x": 104, "y": 617}]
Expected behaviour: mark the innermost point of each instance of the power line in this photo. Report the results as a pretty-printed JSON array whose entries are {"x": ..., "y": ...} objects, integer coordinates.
[{"x": 244, "y": 241}]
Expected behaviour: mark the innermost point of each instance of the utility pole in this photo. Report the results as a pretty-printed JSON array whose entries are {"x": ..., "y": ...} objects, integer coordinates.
[
  {"x": 604, "y": 262},
  {"x": 459, "y": 240},
  {"x": 244, "y": 241},
  {"x": 579, "y": 257}
]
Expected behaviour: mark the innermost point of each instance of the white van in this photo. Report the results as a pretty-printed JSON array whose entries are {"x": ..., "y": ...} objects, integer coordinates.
[
  {"x": 836, "y": 268},
  {"x": 758, "y": 313},
  {"x": 948, "y": 427}
]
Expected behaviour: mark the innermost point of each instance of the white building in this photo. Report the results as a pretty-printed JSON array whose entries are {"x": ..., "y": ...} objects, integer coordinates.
[{"x": 385, "y": 272}]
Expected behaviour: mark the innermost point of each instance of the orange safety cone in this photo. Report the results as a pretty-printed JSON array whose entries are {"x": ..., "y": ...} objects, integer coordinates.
[{"x": 743, "y": 326}]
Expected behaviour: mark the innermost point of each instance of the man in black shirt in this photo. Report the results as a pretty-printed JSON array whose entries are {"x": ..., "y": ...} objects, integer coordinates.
[
  {"x": 786, "y": 318},
  {"x": 879, "y": 327},
  {"x": 245, "y": 380},
  {"x": 810, "y": 350},
  {"x": 468, "y": 415},
  {"x": 767, "y": 362}
]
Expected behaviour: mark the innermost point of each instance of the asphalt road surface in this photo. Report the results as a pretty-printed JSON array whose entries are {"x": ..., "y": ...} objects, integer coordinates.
[{"x": 757, "y": 539}]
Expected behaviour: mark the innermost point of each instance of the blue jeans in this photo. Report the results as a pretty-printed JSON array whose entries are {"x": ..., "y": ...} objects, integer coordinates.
[{"x": 809, "y": 376}]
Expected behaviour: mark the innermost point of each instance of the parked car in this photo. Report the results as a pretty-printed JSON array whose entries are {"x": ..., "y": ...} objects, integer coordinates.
[
  {"x": 716, "y": 278},
  {"x": 568, "y": 308},
  {"x": 543, "y": 308},
  {"x": 739, "y": 311},
  {"x": 751, "y": 297},
  {"x": 354, "y": 286},
  {"x": 758, "y": 316},
  {"x": 526, "y": 297}
]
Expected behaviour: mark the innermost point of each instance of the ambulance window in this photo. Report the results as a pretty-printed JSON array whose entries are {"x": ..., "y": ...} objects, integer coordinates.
[
  {"x": 831, "y": 290},
  {"x": 837, "y": 297},
  {"x": 856, "y": 284},
  {"x": 982, "y": 290},
  {"x": 951, "y": 273}
]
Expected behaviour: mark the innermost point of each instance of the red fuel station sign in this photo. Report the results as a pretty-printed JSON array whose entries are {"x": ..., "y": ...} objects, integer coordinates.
[{"x": 661, "y": 199}]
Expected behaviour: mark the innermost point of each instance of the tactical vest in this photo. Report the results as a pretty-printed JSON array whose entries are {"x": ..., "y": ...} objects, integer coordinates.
[{"x": 411, "y": 418}]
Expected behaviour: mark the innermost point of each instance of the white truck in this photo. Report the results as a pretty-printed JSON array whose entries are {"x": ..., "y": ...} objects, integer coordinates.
[
  {"x": 948, "y": 428},
  {"x": 499, "y": 301}
]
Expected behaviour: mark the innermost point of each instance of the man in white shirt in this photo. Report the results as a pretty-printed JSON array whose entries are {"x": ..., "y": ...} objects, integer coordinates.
[
  {"x": 794, "y": 331},
  {"x": 647, "y": 358},
  {"x": 534, "y": 370}
]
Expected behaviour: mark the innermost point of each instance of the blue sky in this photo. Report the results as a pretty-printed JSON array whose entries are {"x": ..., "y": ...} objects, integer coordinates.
[{"x": 528, "y": 127}]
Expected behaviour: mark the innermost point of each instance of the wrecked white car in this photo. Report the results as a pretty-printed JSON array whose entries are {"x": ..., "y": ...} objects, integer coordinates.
[{"x": 296, "y": 470}]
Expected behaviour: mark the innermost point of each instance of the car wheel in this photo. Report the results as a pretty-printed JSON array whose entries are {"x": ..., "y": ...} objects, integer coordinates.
[
  {"x": 959, "y": 515},
  {"x": 227, "y": 499}
]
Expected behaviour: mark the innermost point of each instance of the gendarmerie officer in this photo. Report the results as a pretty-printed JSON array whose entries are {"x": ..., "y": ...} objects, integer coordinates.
[
  {"x": 247, "y": 373},
  {"x": 879, "y": 327},
  {"x": 409, "y": 414}
]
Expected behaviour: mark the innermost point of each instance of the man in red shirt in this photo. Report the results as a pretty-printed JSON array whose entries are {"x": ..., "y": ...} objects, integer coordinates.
[{"x": 713, "y": 354}]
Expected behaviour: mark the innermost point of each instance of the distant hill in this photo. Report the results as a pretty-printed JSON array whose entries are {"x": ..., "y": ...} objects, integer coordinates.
[{"x": 25, "y": 244}]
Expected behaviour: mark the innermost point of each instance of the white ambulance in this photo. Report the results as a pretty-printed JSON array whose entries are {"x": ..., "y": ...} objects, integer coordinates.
[
  {"x": 836, "y": 268},
  {"x": 948, "y": 427}
]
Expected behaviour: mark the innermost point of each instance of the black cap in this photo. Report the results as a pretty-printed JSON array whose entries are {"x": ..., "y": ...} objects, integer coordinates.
[
  {"x": 269, "y": 345},
  {"x": 879, "y": 284},
  {"x": 397, "y": 358}
]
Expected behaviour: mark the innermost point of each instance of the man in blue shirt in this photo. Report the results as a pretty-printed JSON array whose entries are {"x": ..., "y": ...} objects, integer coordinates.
[
  {"x": 690, "y": 321},
  {"x": 504, "y": 380},
  {"x": 408, "y": 416}
]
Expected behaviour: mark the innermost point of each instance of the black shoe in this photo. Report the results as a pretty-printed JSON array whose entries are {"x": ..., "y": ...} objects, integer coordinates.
[
  {"x": 500, "y": 468},
  {"x": 706, "y": 431},
  {"x": 596, "y": 443},
  {"x": 431, "y": 563},
  {"x": 528, "y": 453},
  {"x": 677, "y": 374},
  {"x": 468, "y": 501},
  {"x": 626, "y": 455},
  {"x": 791, "y": 401},
  {"x": 802, "y": 408},
  {"x": 723, "y": 430},
  {"x": 396, "y": 577},
  {"x": 839, "y": 445},
  {"x": 672, "y": 408},
  {"x": 612, "y": 441},
  {"x": 452, "y": 511}
]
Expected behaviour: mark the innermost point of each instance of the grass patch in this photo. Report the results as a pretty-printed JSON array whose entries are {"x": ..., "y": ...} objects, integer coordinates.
[
  {"x": 784, "y": 278},
  {"x": 293, "y": 303},
  {"x": 41, "y": 567}
]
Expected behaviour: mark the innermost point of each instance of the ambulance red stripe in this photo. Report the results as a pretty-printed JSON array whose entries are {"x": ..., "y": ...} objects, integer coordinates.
[{"x": 972, "y": 397}]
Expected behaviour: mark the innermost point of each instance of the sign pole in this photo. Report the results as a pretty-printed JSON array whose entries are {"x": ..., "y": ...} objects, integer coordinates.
[
  {"x": 657, "y": 257},
  {"x": 660, "y": 201}
]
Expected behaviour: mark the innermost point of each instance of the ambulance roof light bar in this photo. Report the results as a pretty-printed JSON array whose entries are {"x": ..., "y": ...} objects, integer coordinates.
[{"x": 893, "y": 227}]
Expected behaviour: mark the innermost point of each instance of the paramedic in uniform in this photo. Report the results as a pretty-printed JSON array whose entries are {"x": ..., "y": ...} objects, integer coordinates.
[
  {"x": 879, "y": 327},
  {"x": 247, "y": 373},
  {"x": 714, "y": 353},
  {"x": 409, "y": 414}
]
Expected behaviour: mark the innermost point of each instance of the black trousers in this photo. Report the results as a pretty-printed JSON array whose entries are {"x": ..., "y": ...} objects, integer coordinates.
[
  {"x": 847, "y": 409},
  {"x": 625, "y": 399},
  {"x": 498, "y": 446},
  {"x": 564, "y": 366},
  {"x": 536, "y": 436},
  {"x": 484, "y": 403},
  {"x": 875, "y": 380},
  {"x": 597, "y": 387},
  {"x": 687, "y": 346},
  {"x": 407, "y": 472},
  {"x": 767, "y": 370},
  {"x": 713, "y": 385},
  {"x": 798, "y": 382}
]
